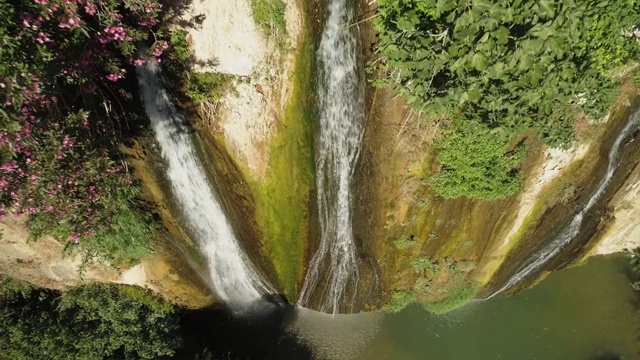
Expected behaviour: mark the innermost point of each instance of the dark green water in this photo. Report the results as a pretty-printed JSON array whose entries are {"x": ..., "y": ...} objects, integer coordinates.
[
  {"x": 587, "y": 312},
  {"x": 584, "y": 313}
]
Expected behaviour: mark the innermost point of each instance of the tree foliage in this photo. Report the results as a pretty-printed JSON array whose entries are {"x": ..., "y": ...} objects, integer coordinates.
[
  {"x": 93, "y": 322},
  {"x": 508, "y": 65}
]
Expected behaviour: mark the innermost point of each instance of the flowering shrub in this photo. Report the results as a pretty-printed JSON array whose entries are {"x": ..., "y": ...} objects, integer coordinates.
[{"x": 60, "y": 61}]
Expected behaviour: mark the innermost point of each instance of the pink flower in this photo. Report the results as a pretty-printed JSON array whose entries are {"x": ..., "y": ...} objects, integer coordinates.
[
  {"x": 116, "y": 76},
  {"x": 74, "y": 238},
  {"x": 138, "y": 62},
  {"x": 160, "y": 48},
  {"x": 90, "y": 8},
  {"x": 10, "y": 167},
  {"x": 42, "y": 38}
]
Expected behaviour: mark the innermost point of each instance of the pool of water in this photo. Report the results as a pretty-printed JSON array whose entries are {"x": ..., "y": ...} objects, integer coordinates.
[{"x": 587, "y": 312}]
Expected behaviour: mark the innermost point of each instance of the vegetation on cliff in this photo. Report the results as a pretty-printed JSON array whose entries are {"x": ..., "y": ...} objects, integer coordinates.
[
  {"x": 634, "y": 262},
  {"x": 269, "y": 15},
  {"x": 199, "y": 87},
  {"x": 440, "y": 286},
  {"x": 65, "y": 110},
  {"x": 491, "y": 70}
]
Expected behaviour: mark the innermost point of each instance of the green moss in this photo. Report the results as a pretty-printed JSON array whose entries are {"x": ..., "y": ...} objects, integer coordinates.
[
  {"x": 283, "y": 197},
  {"x": 452, "y": 243},
  {"x": 400, "y": 300},
  {"x": 424, "y": 263},
  {"x": 403, "y": 243}
]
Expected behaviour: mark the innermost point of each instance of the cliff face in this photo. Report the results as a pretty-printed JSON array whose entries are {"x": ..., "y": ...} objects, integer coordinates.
[
  {"x": 405, "y": 229},
  {"x": 413, "y": 244},
  {"x": 412, "y": 241},
  {"x": 43, "y": 262},
  {"x": 417, "y": 245},
  {"x": 229, "y": 41},
  {"x": 258, "y": 137},
  {"x": 623, "y": 231},
  {"x": 256, "y": 142}
]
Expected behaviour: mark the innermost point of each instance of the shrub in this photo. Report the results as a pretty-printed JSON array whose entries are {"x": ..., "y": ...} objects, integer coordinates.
[
  {"x": 400, "y": 300},
  {"x": 424, "y": 263},
  {"x": 179, "y": 46},
  {"x": 634, "y": 262},
  {"x": 179, "y": 59},
  {"x": 445, "y": 287},
  {"x": 477, "y": 164},
  {"x": 207, "y": 86},
  {"x": 462, "y": 292}
]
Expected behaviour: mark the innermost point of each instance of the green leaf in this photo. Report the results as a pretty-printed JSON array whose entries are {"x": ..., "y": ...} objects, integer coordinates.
[
  {"x": 501, "y": 35},
  {"x": 479, "y": 61},
  {"x": 482, "y": 5},
  {"x": 543, "y": 31},
  {"x": 546, "y": 8}
]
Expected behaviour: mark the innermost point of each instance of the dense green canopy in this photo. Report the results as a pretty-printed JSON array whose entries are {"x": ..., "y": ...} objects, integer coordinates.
[
  {"x": 506, "y": 65},
  {"x": 93, "y": 322}
]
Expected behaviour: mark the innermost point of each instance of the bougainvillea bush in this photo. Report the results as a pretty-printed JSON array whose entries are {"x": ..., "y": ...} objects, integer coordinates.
[{"x": 62, "y": 64}]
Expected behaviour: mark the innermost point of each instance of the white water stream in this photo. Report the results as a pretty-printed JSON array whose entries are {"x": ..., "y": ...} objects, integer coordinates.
[
  {"x": 570, "y": 232},
  {"x": 234, "y": 278},
  {"x": 341, "y": 107}
]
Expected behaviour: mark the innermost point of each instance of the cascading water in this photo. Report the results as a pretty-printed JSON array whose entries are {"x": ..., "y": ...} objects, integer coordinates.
[
  {"x": 570, "y": 232},
  {"x": 234, "y": 278},
  {"x": 341, "y": 106}
]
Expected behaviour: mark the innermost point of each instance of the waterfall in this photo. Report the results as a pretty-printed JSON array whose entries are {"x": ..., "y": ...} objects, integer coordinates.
[
  {"x": 234, "y": 278},
  {"x": 341, "y": 108},
  {"x": 570, "y": 232}
]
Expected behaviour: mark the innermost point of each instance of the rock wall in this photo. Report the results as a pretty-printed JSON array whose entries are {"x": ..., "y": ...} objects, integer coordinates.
[
  {"x": 261, "y": 128},
  {"x": 43, "y": 263},
  {"x": 624, "y": 231},
  {"x": 228, "y": 41},
  {"x": 403, "y": 227}
]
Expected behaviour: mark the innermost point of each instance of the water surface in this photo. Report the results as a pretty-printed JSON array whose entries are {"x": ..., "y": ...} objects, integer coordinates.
[{"x": 587, "y": 312}]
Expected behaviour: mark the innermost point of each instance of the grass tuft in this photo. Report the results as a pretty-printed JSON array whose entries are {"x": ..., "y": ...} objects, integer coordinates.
[{"x": 269, "y": 16}]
